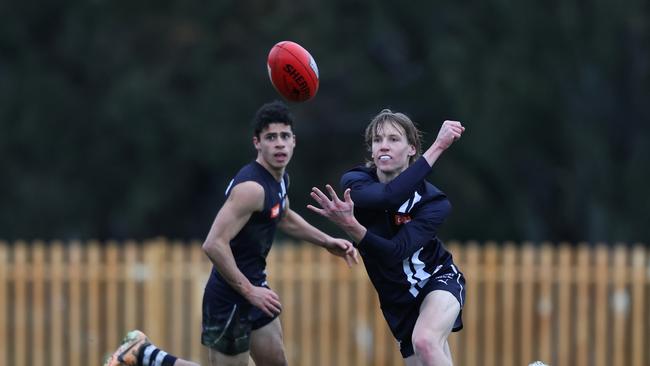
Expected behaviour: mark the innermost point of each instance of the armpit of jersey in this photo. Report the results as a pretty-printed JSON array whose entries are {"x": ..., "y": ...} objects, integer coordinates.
[{"x": 368, "y": 192}]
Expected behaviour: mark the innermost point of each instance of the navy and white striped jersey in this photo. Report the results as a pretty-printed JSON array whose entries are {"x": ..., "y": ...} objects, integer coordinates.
[
  {"x": 401, "y": 249},
  {"x": 253, "y": 242}
]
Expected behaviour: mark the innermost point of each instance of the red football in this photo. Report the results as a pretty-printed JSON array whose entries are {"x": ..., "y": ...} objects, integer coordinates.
[{"x": 293, "y": 72}]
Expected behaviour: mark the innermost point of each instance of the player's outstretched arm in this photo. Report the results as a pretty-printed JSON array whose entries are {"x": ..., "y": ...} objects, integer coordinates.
[
  {"x": 408, "y": 240},
  {"x": 244, "y": 199},
  {"x": 295, "y": 225},
  {"x": 368, "y": 193}
]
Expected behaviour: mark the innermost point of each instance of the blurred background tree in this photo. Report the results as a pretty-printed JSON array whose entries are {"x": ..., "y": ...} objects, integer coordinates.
[{"x": 127, "y": 120}]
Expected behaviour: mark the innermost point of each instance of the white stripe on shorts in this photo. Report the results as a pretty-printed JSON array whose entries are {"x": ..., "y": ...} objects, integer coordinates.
[{"x": 460, "y": 294}]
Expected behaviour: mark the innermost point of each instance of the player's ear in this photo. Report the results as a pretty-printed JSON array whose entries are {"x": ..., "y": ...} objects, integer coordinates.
[
  {"x": 256, "y": 143},
  {"x": 411, "y": 150}
]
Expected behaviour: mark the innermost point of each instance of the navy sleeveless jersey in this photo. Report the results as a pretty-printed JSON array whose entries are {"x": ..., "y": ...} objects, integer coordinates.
[
  {"x": 401, "y": 249},
  {"x": 253, "y": 242}
]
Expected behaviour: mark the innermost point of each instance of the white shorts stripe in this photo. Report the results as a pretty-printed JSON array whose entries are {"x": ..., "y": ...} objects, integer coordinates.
[
  {"x": 460, "y": 293},
  {"x": 225, "y": 329}
]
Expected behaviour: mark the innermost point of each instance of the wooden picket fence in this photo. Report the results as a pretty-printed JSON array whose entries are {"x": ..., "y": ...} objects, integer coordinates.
[{"x": 567, "y": 305}]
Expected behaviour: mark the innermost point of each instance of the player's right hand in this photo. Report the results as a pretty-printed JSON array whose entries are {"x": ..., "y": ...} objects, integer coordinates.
[
  {"x": 265, "y": 300},
  {"x": 449, "y": 132},
  {"x": 344, "y": 249}
]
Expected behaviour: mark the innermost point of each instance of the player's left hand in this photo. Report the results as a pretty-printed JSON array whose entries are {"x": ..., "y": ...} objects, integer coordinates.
[{"x": 344, "y": 249}]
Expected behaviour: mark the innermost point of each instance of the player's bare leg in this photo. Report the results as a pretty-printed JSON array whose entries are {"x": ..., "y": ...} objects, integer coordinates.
[
  {"x": 437, "y": 315},
  {"x": 217, "y": 358},
  {"x": 267, "y": 348},
  {"x": 180, "y": 362}
]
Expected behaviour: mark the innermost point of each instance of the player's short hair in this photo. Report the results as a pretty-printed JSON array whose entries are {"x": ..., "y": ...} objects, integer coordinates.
[
  {"x": 413, "y": 134},
  {"x": 273, "y": 112}
]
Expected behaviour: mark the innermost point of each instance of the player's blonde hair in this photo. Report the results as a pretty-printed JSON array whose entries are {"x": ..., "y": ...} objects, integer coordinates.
[{"x": 402, "y": 122}]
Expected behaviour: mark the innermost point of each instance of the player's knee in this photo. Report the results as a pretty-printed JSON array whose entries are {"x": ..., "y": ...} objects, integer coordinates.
[
  {"x": 278, "y": 359},
  {"x": 424, "y": 348},
  {"x": 427, "y": 345},
  {"x": 271, "y": 356},
  {"x": 272, "y": 359}
]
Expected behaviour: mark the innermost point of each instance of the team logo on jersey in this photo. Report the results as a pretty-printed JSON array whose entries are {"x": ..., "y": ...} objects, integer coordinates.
[
  {"x": 401, "y": 218},
  {"x": 275, "y": 211}
]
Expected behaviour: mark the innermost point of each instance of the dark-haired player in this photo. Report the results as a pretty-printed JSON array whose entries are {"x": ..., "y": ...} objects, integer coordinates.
[
  {"x": 393, "y": 214},
  {"x": 240, "y": 311}
]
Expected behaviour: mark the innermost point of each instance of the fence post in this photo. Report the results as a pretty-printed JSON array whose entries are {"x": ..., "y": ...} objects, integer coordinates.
[
  {"x": 490, "y": 277},
  {"x": 601, "y": 275},
  {"x": 307, "y": 272},
  {"x": 564, "y": 281},
  {"x": 639, "y": 278},
  {"x": 20, "y": 303},
  {"x": 134, "y": 271},
  {"x": 287, "y": 276},
  {"x": 57, "y": 303},
  {"x": 363, "y": 338},
  {"x": 545, "y": 302},
  {"x": 4, "y": 327},
  {"x": 93, "y": 334},
  {"x": 154, "y": 298},
  {"x": 325, "y": 307},
  {"x": 178, "y": 301},
  {"x": 343, "y": 311},
  {"x": 620, "y": 304},
  {"x": 113, "y": 274},
  {"x": 38, "y": 277},
  {"x": 508, "y": 278},
  {"x": 200, "y": 273},
  {"x": 583, "y": 305},
  {"x": 527, "y": 278},
  {"x": 75, "y": 276}
]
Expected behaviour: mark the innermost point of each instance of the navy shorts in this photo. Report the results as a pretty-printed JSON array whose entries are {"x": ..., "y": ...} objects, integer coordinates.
[
  {"x": 227, "y": 324},
  {"x": 401, "y": 318}
]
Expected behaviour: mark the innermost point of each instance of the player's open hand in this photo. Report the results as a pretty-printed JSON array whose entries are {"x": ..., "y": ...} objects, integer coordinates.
[
  {"x": 337, "y": 211},
  {"x": 449, "y": 132}
]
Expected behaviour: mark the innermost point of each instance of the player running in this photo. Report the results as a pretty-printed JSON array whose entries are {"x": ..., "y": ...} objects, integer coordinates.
[{"x": 240, "y": 311}]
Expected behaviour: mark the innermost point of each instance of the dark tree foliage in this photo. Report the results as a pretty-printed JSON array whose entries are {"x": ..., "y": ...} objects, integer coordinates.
[{"x": 127, "y": 119}]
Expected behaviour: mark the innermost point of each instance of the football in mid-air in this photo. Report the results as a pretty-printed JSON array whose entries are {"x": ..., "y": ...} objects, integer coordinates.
[{"x": 293, "y": 72}]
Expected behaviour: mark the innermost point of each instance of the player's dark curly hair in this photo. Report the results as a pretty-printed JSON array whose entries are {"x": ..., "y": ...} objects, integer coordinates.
[{"x": 273, "y": 112}]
